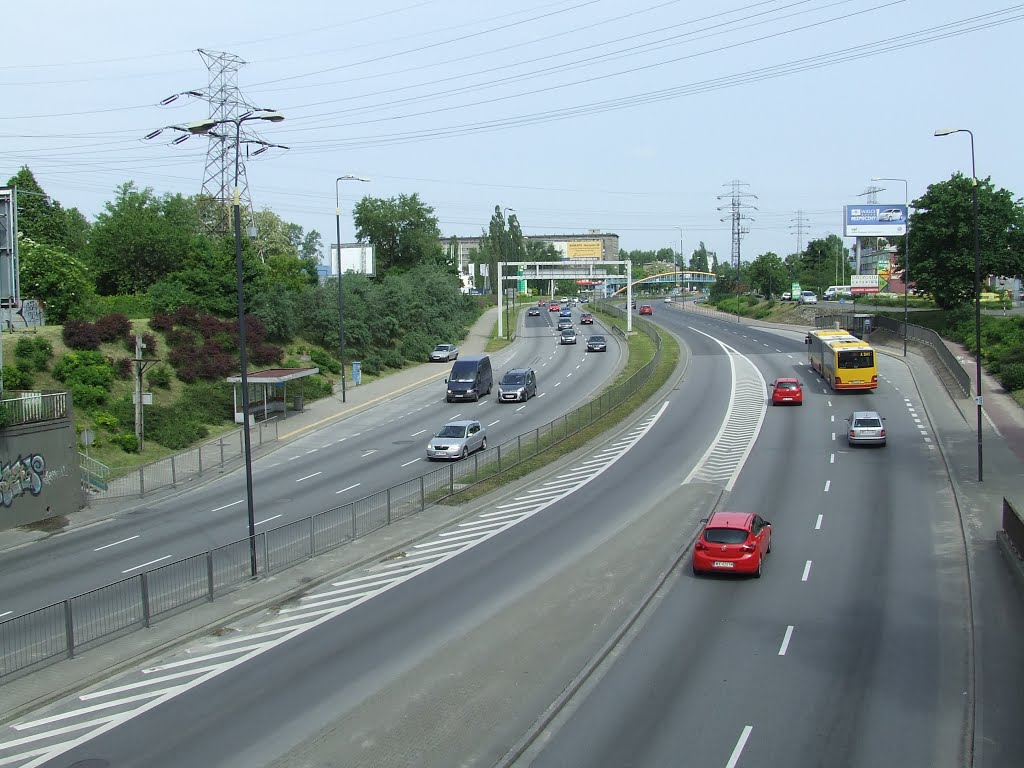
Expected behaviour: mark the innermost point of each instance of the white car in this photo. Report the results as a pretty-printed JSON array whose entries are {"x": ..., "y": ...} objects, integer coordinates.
[
  {"x": 444, "y": 352},
  {"x": 890, "y": 214},
  {"x": 787, "y": 296},
  {"x": 807, "y": 297}
]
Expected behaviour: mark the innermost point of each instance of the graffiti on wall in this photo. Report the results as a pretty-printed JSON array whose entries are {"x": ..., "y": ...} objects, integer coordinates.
[{"x": 24, "y": 474}]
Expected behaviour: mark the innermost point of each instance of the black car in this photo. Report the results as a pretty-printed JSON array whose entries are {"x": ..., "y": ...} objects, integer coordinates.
[
  {"x": 564, "y": 322},
  {"x": 533, "y": 312},
  {"x": 597, "y": 344}
]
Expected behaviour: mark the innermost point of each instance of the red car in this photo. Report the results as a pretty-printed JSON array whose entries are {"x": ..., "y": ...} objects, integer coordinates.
[
  {"x": 787, "y": 391},
  {"x": 732, "y": 542},
  {"x": 586, "y": 319},
  {"x": 646, "y": 309},
  {"x": 554, "y": 306}
]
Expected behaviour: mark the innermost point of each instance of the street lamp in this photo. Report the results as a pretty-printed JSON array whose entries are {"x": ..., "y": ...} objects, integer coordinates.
[
  {"x": 341, "y": 296},
  {"x": 508, "y": 330},
  {"x": 679, "y": 276},
  {"x": 977, "y": 285},
  {"x": 203, "y": 127},
  {"x": 906, "y": 248}
]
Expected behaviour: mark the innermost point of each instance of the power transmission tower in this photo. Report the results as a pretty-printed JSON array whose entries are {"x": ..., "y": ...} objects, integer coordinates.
[
  {"x": 871, "y": 193},
  {"x": 737, "y": 214},
  {"x": 800, "y": 225}
]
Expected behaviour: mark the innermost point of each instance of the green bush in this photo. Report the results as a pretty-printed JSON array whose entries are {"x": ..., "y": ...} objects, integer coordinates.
[
  {"x": 315, "y": 388},
  {"x": 15, "y": 378},
  {"x": 1012, "y": 377},
  {"x": 159, "y": 376},
  {"x": 106, "y": 420},
  {"x": 33, "y": 353},
  {"x": 208, "y": 402},
  {"x": 86, "y": 395},
  {"x": 126, "y": 441},
  {"x": 372, "y": 364},
  {"x": 174, "y": 426},
  {"x": 416, "y": 346},
  {"x": 324, "y": 361},
  {"x": 87, "y": 368},
  {"x": 134, "y": 306}
]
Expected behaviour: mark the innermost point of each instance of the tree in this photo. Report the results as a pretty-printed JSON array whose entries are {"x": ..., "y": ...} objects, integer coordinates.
[
  {"x": 403, "y": 231},
  {"x": 700, "y": 258},
  {"x": 823, "y": 262},
  {"x": 140, "y": 239},
  {"x": 56, "y": 278},
  {"x": 768, "y": 274},
  {"x": 942, "y": 238},
  {"x": 44, "y": 220}
]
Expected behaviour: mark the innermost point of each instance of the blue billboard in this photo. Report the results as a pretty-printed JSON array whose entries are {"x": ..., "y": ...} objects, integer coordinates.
[{"x": 873, "y": 220}]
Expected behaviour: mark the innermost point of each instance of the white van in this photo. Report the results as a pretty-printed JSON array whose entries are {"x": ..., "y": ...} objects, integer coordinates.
[{"x": 833, "y": 292}]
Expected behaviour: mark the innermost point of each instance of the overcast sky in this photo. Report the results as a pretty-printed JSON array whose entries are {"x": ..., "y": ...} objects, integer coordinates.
[{"x": 626, "y": 116}]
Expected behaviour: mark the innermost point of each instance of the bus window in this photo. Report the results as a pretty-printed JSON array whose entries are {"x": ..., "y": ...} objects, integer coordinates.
[{"x": 856, "y": 358}]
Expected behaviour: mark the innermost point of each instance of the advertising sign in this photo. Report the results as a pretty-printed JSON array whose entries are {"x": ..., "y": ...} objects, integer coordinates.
[
  {"x": 583, "y": 249},
  {"x": 794, "y": 291},
  {"x": 861, "y": 284},
  {"x": 874, "y": 220},
  {"x": 354, "y": 258}
]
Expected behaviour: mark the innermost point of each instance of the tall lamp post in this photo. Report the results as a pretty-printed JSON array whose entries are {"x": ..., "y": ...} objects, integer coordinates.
[
  {"x": 203, "y": 127},
  {"x": 906, "y": 249},
  {"x": 341, "y": 296},
  {"x": 508, "y": 330},
  {"x": 679, "y": 277},
  {"x": 977, "y": 285}
]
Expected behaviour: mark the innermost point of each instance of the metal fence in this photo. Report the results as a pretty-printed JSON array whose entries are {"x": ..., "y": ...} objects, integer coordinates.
[
  {"x": 58, "y": 631},
  {"x": 207, "y": 457},
  {"x": 23, "y": 407},
  {"x": 914, "y": 332}
]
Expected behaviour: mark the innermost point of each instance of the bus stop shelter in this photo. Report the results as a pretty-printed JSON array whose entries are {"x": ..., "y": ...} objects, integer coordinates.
[{"x": 268, "y": 392}]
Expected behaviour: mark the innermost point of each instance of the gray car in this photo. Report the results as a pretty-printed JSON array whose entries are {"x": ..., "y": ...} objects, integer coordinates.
[
  {"x": 457, "y": 439},
  {"x": 444, "y": 352},
  {"x": 866, "y": 428}
]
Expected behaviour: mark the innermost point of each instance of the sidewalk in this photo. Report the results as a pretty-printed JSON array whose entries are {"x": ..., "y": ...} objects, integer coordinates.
[{"x": 315, "y": 415}]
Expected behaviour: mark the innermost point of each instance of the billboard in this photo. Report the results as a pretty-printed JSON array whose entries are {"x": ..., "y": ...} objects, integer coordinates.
[
  {"x": 355, "y": 257},
  {"x": 10, "y": 293},
  {"x": 861, "y": 284},
  {"x": 874, "y": 220},
  {"x": 583, "y": 249}
]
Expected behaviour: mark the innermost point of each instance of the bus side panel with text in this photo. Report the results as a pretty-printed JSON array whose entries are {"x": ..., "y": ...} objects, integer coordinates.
[{"x": 843, "y": 360}]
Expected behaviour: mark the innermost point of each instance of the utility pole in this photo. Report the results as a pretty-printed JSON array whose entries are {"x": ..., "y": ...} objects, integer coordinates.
[
  {"x": 140, "y": 366},
  {"x": 736, "y": 209}
]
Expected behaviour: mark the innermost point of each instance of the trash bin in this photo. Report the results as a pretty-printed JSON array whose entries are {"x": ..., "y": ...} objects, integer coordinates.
[
  {"x": 297, "y": 403},
  {"x": 357, "y": 370}
]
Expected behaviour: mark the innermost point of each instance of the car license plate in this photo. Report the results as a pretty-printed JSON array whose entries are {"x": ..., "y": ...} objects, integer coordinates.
[
  {"x": 723, "y": 564},
  {"x": 858, "y": 381}
]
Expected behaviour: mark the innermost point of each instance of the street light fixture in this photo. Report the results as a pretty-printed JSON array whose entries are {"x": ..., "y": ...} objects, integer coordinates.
[
  {"x": 204, "y": 127},
  {"x": 906, "y": 248},
  {"x": 977, "y": 285},
  {"x": 679, "y": 277},
  {"x": 341, "y": 296}
]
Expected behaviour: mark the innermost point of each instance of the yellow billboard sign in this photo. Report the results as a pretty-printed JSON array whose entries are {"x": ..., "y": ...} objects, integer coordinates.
[{"x": 583, "y": 249}]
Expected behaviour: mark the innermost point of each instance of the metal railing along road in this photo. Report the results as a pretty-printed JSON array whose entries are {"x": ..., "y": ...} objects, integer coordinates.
[
  {"x": 26, "y": 407},
  {"x": 59, "y": 631},
  {"x": 914, "y": 332},
  {"x": 180, "y": 467}
]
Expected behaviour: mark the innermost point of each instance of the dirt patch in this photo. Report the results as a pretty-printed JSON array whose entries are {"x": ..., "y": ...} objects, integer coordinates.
[{"x": 50, "y": 525}]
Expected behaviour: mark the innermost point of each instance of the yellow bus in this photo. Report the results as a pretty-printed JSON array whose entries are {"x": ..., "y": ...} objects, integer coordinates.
[{"x": 843, "y": 360}]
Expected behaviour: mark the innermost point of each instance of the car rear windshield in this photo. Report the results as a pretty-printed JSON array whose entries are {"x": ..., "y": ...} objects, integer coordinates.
[
  {"x": 452, "y": 430},
  {"x": 867, "y": 423},
  {"x": 725, "y": 535},
  {"x": 786, "y": 385}
]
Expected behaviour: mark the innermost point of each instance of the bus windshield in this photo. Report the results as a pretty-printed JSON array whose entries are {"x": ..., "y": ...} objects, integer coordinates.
[{"x": 856, "y": 358}]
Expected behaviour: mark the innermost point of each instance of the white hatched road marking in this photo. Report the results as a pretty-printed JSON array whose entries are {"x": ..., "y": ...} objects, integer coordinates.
[
  {"x": 213, "y": 659},
  {"x": 724, "y": 458}
]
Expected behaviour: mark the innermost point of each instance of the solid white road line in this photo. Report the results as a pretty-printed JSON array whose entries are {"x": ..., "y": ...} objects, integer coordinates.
[
  {"x": 807, "y": 571},
  {"x": 218, "y": 509},
  {"x": 738, "y": 750},
  {"x": 817, "y": 525},
  {"x": 151, "y": 562},
  {"x": 308, "y": 476},
  {"x": 785, "y": 640},
  {"x": 349, "y": 488},
  {"x": 122, "y": 541},
  {"x": 261, "y": 522}
]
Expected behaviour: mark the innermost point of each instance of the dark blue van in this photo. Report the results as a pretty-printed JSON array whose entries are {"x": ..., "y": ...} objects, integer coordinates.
[{"x": 470, "y": 378}]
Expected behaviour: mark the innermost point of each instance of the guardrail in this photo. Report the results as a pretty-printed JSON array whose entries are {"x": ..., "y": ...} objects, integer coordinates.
[
  {"x": 916, "y": 333},
  {"x": 183, "y": 466},
  {"x": 27, "y": 407},
  {"x": 58, "y": 631}
]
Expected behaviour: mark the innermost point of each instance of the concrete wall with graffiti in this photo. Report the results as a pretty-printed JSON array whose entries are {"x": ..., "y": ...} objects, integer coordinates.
[{"x": 39, "y": 475}]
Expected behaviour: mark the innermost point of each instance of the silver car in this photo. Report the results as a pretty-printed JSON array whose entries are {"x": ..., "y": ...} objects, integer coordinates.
[
  {"x": 457, "y": 439},
  {"x": 444, "y": 352},
  {"x": 866, "y": 428}
]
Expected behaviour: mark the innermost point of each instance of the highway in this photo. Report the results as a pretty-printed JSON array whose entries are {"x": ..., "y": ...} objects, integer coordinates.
[
  {"x": 348, "y": 460},
  {"x": 852, "y": 650}
]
